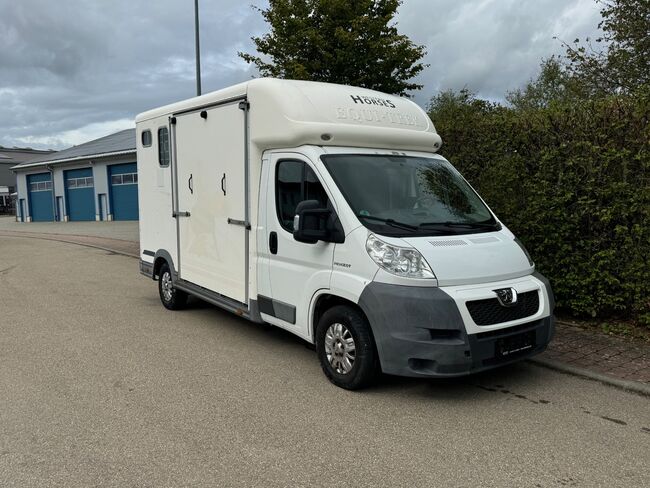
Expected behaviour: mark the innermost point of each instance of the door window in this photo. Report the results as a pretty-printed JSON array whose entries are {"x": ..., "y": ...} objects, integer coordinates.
[{"x": 295, "y": 182}]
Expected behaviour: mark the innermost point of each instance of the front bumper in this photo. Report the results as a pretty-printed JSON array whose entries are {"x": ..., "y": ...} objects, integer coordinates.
[{"x": 427, "y": 331}]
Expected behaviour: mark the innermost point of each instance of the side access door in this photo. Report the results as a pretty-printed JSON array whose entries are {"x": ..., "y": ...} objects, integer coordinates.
[
  {"x": 211, "y": 198},
  {"x": 296, "y": 269}
]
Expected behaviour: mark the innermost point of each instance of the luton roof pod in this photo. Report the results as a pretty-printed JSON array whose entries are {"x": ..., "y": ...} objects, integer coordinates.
[
  {"x": 289, "y": 113},
  {"x": 325, "y": 210}
]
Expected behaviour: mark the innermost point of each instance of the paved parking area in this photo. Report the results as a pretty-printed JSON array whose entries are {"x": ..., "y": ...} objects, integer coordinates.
[
  {"x": 123, "y": 230},
  {"x": 101, "y": 386}
]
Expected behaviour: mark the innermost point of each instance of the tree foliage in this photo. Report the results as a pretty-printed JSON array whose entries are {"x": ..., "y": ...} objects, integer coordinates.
[
  {"x": 338, "y": 41},
  {"x": 552, "y": 85},
  {"x": 619, "y": 60}
]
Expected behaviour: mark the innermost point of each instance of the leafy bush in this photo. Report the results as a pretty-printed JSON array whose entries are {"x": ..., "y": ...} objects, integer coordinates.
[{"x": 571, "y": 178}]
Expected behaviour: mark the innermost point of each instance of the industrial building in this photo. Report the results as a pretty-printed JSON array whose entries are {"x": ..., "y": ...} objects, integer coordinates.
[
  {"x": 9, "y": 157},
  {"x": 97, "y": 180}
]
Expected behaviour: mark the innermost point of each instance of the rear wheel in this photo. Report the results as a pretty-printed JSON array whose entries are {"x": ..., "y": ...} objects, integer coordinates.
[
  {"x": 345, "y": 348},
  {"x": 171, "y": 298}
]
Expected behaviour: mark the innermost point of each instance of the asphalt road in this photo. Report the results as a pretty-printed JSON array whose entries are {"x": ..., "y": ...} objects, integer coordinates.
[{"x": 101, "y": 386}]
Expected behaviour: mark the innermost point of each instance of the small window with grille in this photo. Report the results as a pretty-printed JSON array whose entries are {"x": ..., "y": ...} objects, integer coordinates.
[{"x": 163, "y": 146}]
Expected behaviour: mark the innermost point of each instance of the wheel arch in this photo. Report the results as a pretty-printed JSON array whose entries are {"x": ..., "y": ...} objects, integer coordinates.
[
  {"x": 161, "y": 257},
  {"x": 325, "y": 301}
]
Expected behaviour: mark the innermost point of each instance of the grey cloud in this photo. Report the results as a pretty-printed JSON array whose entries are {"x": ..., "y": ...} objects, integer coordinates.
[
  {"x": 491, "y": 46},
  {"x": 70, "y": 67}
]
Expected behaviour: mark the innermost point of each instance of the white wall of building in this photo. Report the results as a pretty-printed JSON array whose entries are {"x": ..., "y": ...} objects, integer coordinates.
[{"x": 21, "y": 189}]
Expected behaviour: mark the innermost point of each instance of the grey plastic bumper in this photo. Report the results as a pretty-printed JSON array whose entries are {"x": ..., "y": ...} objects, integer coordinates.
[{"x": 419, "y": 332}]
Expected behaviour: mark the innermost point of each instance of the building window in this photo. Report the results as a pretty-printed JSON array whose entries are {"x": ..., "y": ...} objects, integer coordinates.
[
  {"x": 80, "y": 182},
  {"x": 146, "y": 138},
  {"x": 125, "y": 179},
  {"x": 40, "y": 186},
  {"x": 163, "y": 146}
]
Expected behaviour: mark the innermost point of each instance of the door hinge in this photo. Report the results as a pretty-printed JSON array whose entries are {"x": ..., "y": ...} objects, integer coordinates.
[
  {"x": 244, "y": 105},
  {"x": 180, "y": 214}
]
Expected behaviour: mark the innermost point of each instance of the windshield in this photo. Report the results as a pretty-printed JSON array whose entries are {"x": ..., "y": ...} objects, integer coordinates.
[{"x": 405, "y": 195}]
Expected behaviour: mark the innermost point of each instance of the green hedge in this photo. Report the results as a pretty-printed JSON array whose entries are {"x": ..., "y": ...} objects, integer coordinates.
[{"x": 572, "y": 180}]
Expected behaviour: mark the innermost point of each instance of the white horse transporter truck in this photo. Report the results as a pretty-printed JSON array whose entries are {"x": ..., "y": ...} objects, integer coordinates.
[{"x": 325, "y": 210}]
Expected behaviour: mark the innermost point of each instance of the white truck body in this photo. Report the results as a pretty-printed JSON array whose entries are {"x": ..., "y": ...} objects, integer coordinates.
[{"x": 215, "y": 206}]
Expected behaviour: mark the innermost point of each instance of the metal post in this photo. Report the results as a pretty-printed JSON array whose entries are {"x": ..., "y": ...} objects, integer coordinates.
[
  {"x": 198, "y": 50},
  {"x": 55, "y": 210}
]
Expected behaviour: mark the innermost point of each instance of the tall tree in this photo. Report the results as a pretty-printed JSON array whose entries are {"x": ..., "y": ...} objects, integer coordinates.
[
  {"x": 338, "y": 41},
  {"x": 619, "y": 60}
]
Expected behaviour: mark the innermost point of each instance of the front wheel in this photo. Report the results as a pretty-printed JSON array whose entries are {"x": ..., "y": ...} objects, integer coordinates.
[
  {"x": 346, "y": 349},
  {"x": 171, "y": 298}
]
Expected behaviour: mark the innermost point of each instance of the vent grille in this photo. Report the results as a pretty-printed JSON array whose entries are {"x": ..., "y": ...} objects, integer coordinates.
[
  {"x": 490, "y": 311},
  {"x": 448, "y": 243},
  {"x": 484, "y": 240}
]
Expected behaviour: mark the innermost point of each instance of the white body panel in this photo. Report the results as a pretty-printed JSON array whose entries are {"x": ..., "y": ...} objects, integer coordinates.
[
  {"x": 157, "y": 225},
  {"x": 494, "y": 257},
  {"x": 296, "y": 270},
  {"x": 210, "y": 171}
]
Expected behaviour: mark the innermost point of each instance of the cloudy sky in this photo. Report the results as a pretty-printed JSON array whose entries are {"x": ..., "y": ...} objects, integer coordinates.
[{"x": 75, "y": 70}]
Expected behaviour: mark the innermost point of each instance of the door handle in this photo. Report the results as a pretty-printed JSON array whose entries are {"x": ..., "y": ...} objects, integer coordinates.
[
  {"x": 273, "y": 242},
  {"x": 190, "y": 184},
  {"x": 243, "y": 223},
  {"x": 223, "y": 184}
]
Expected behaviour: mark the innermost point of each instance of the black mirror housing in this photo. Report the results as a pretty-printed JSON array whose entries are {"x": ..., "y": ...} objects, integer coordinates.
[{"x": 310, "y": 222}]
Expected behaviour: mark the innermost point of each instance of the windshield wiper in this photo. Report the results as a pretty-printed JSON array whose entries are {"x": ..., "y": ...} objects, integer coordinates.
[
  {"x": 391, "y": 222},
  {"x": 469, "y": 225}
]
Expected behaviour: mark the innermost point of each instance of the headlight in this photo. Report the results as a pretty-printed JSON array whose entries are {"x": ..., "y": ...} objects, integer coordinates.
[{"x": 400, "y": 261}]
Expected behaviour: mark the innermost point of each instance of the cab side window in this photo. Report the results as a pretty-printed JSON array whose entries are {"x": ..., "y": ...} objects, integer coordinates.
[{"x": 295, "y": 181}]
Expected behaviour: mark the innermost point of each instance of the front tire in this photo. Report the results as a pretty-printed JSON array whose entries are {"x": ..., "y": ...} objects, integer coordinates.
[
  {"x": 346, "y": 349},
  {"x": 171, "y": 298}
]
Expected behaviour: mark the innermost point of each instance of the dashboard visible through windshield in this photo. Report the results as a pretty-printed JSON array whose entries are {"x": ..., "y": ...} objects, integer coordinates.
[{"x": 405, "y": 195}]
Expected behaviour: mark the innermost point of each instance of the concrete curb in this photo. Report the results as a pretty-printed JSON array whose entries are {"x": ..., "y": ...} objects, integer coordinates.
[{"x": 633, "y": 386}]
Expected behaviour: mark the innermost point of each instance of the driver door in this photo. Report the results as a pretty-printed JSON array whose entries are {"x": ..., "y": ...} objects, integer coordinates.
[{"x": 297, "y": 269}]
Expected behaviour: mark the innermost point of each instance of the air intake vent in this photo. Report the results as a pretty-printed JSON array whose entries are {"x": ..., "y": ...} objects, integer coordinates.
[
  {"x": 489, "y": 311},
  {"x": 484, "y": 240},
  {"x": 448, "y": 243}
]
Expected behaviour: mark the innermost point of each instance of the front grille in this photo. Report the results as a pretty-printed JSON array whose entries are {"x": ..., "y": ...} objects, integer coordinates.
[{"x": 490, "y": 311}]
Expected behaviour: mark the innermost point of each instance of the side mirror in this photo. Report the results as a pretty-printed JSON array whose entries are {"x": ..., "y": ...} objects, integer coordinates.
[{"x": 310, "y": 223}]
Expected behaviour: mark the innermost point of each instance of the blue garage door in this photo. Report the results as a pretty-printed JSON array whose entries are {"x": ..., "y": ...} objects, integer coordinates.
[
  {"x": 124, "y": 191},
  {"x": 41, "y": 206},
  {"x": 80, "y": 194}
]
